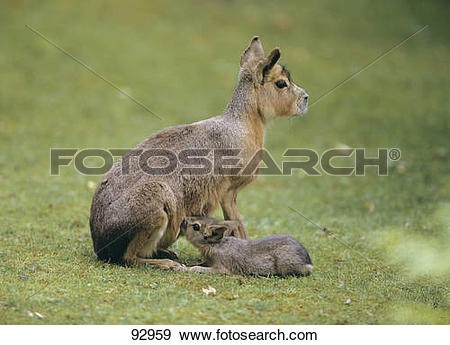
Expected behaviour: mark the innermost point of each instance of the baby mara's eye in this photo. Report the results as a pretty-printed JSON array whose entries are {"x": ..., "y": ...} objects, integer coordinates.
[
  {"x": 280, "y": 84},
  {"x": 196, "y": 227}
]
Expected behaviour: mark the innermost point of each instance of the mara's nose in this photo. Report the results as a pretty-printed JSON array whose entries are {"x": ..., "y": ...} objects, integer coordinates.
[{"x": 305, "y": 97}]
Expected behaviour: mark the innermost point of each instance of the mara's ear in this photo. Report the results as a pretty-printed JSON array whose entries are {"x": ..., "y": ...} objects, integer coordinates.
[
  {"x": 253, "y": 53},
  {"x": 266, "y": 65},
  {"x": 217, "y": 231}
]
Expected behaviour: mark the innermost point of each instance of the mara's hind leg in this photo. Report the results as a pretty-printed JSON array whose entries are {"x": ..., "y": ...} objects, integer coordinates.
[
  {"x": 154, "y": 206},
  {"x": 145, "y": 242},
  {"x": 143, "y": 248},
  {"x": 161, "y": 263}
]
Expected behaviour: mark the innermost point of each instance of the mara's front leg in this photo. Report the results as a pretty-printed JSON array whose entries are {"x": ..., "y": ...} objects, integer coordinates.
[{"x": 231, "y": 212}]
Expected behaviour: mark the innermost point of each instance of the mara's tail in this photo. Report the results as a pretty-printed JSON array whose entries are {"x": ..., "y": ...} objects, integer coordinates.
[{"x": 306, "y": 269}]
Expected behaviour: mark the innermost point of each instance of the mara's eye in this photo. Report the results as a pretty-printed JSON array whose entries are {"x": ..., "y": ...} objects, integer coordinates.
[
  {"x": 196, "y": 227},
  {"x": 280, "y": 84}
]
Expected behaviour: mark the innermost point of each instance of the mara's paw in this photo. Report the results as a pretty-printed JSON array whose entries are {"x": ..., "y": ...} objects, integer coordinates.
[
  {"x": 164, "y": 264},
  {"x": 165, "y": 254},
  {"x": 169, "y": 264}
]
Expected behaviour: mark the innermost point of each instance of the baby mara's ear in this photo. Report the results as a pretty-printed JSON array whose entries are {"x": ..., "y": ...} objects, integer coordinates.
[
  {"x": 232, "y": 226},
  {"x": 183, "y": 228},
  {"x": 217, "y": 232}
]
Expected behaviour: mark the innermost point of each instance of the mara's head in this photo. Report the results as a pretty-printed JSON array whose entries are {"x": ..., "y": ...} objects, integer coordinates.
[
  {"x": 203, "y": 231},
  {"x": 276, "y": 95}
]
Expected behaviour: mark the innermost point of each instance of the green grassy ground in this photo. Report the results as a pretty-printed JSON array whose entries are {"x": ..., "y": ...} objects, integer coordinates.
[{"x": 182, "y": 62}]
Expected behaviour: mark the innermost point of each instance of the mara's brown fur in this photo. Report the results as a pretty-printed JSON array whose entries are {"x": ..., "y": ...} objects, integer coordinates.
[{"x": 136, "y": 216}]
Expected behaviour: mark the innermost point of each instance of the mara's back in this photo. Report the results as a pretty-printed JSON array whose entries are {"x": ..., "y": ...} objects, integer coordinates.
[{"x": 128, "y": 171}]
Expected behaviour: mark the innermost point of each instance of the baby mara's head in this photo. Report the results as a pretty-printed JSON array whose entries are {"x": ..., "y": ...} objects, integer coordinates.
[{"x": 203, "y": 231}]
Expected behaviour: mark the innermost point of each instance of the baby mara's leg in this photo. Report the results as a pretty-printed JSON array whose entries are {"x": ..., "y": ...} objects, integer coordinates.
[{"x": 200, "y": 269}]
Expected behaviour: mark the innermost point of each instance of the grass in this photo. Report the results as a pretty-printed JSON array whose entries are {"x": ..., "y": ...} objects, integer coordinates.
[{"x": 182, "y": 62}]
